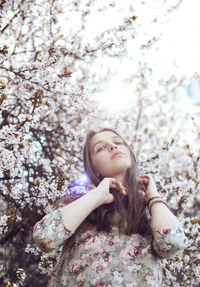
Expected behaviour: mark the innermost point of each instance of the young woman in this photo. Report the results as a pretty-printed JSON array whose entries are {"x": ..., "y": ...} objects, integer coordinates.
[{"x": 118, "y": 232}]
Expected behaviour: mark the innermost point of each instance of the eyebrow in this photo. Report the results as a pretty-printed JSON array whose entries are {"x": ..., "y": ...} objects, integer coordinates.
[{"x": 103, "y": 141}]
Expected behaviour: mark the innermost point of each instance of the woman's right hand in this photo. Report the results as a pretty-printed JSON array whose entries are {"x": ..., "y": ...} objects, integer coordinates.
[{"x": 103, "y": 189}]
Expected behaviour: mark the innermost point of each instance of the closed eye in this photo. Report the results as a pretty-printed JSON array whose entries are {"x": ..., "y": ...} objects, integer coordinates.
[{"x": 102, "y": 147}]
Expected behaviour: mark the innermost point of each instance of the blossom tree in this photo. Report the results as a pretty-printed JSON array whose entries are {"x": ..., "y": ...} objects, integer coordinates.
[{"x": 46, "y": 82}]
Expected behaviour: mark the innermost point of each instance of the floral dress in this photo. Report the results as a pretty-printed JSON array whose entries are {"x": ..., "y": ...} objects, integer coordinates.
[{"x": 106, "y": 259}]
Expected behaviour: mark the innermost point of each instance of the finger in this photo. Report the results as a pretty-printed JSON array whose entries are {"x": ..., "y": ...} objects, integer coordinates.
[
  {"x": 142, "y": 193},
  {"x": 143, "y": 181},
  {"x": 141, "y": 184},
  {"x": 122, "y": 188},
  {"x": 117, "y": 184},
  {"x": 142, "y": 187},
  {"x": 144, "y": 175},
  {"x": 114, "y": 184},
  {"x": 124, "y": 192}
]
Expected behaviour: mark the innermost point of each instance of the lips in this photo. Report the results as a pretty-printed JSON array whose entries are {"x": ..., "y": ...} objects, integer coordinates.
[{"x": 117, "y": 154}]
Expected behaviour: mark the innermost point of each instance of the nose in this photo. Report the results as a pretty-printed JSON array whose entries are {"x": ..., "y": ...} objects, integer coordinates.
[{"x": 112, "y": 146}]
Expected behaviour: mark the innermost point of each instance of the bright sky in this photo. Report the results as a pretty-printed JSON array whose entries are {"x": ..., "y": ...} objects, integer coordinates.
[{"x": 176, "y": 53}]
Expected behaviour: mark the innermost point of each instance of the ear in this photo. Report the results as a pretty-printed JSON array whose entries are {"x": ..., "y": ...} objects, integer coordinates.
[{"x": 98, "y": 175}]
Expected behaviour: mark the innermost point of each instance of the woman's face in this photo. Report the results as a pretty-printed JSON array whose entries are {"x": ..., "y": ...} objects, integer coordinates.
[{"x": 104, "y": 147}]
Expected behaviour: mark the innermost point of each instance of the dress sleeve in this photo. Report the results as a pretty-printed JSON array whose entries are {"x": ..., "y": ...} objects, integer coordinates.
[
  {"x": 167, "y": 242},
  {"x": 50, "y": 232}
]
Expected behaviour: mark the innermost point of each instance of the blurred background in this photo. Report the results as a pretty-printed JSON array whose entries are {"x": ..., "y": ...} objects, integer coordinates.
[{"x": 70, "y": 66}]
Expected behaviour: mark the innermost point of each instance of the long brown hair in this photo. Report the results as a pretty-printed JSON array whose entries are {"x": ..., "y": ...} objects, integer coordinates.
[{"x": 131, "y": 209}]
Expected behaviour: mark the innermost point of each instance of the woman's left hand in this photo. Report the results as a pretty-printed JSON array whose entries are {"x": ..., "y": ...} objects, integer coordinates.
[{"x": 147, "y": 184}]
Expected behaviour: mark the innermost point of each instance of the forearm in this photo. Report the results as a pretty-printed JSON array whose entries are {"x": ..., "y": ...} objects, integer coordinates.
[
  {"x": 168, "y": 234},
  {"x": 75, "y": 212},
  {"x": 162, "y": 217},
  {"x": 49, "y": 233}
]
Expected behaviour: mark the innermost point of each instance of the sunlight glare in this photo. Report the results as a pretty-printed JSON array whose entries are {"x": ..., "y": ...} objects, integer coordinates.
[{"x": 115, "y": 98}]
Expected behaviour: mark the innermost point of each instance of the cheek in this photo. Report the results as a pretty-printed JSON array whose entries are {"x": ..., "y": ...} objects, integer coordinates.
[
  {"x": 99, "y": 161},
  {"x": 129, "y": 158}
]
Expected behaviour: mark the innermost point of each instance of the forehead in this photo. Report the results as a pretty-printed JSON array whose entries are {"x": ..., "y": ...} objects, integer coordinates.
[{"x": 101, "y": 137}]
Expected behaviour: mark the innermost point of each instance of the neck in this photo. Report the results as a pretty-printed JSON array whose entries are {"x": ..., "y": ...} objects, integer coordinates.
[{"x": 121, "y": 178}]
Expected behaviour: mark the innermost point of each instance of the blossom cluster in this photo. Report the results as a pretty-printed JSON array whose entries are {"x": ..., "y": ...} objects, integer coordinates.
[{"x": 46, "y": 84}]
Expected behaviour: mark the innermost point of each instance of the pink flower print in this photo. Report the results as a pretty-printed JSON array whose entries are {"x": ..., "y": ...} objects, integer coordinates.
[
  {"x": 146, "y": 240},
  {"x": 99, "y": 283},
  {"x": 134, "y": 268},
  {"x": 149, "y": 273},
  {"x": 57, "y": 222},
  {"x": 39, "y": 226},
  {"x": 96, "y": 255},
  {"x": 92, "y": 242},
  {"x": 110, "y": 243},
  {"x": 86, "y": 237},
  {"x": 76, "y": 266},
  {"x": 84, "y": 258},
  {"x": 149, "y": 251},
  {"x": 102, "y": 237},
  {"x": 84, "y": 262},
  {"x": 109, "y": 240},
  {"x": 41, "y": 221},
  {"x": 100, "y": 268},
  {"x": 43, "y": 245},
  {"x": 114, "y": 228},
  {"x": 166, "y": 231},
  {"x": 133, "y": 284},
  {"x": 77, "y": 271},
  {"x": 125, "y": 261},
  {"x": 137, "y": 251},
  {"x": 106, "y": 255},
  {"x": 95, "y": 264},
  {"x": 133, "y": 242},
  {"x": 130, "y": 252}
]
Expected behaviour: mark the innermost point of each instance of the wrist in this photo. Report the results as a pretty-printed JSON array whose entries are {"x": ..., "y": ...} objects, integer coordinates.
[
  {"x": 151, "y": 195},
  {"x": 96, "y": 196},
  {"x": 152, "y": 198}
]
